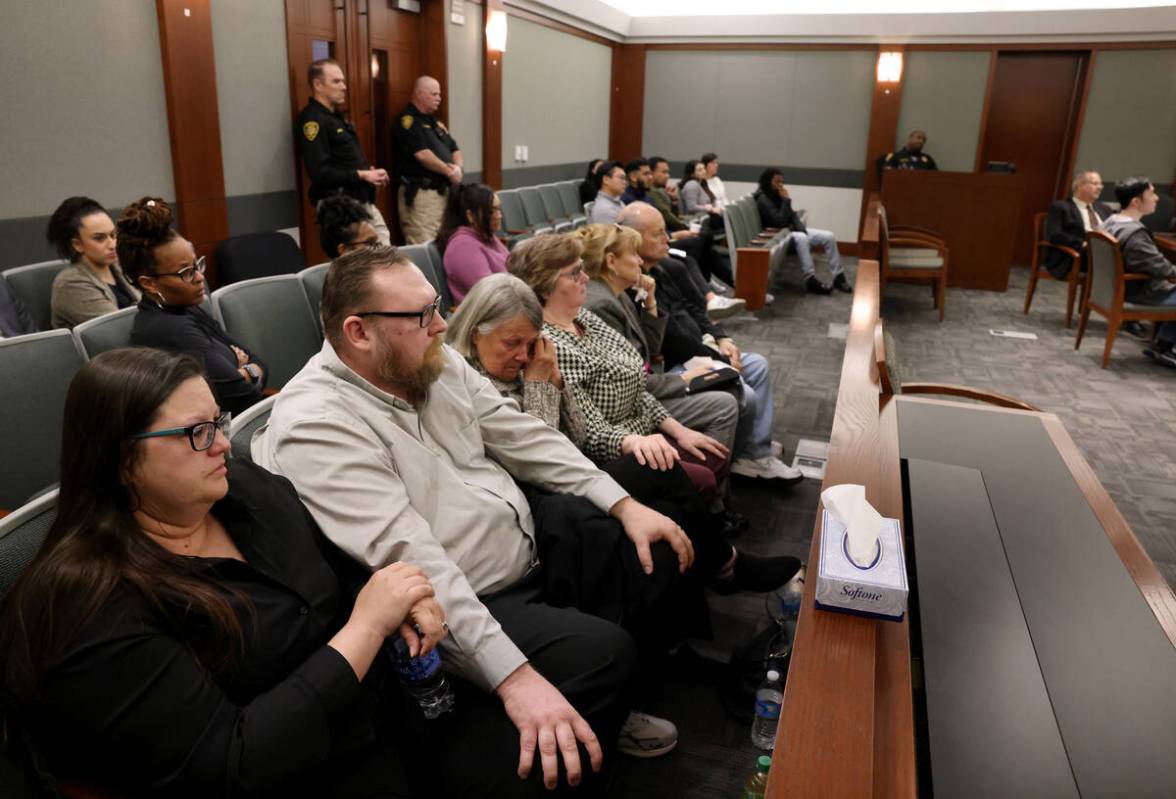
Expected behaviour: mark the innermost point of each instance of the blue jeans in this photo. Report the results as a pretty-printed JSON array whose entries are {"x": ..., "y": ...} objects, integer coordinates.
[
  {"x": 753, "y": 434},
  {"x": 822, "y": 238}
]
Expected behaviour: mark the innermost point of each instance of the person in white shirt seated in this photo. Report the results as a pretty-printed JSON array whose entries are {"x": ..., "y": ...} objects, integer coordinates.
[
  {"x": 710, "y": 162},
  {"x": 608, "y": 204},
  {"x": 402, "y": 451}
]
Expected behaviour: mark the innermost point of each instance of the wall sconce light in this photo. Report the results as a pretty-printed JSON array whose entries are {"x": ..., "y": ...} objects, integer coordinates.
[
  {"x": 496, "y": 31},
  {"x": 889, "y": 66}
]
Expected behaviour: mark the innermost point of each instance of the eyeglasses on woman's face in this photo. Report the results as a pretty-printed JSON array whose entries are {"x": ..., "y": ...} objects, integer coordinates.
[
  {"x": 575, "y": 272},
  {"x": 189, "y": 273},
  {"x": 200, "y": 435},
  {"x": 425, "y": 316}
]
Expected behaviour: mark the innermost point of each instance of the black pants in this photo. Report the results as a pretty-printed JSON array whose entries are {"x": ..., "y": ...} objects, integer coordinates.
[{"x": 710, "y": 263}]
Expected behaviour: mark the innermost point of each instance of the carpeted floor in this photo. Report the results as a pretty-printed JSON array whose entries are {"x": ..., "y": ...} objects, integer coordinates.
[{"x": 1122, "y": 418}]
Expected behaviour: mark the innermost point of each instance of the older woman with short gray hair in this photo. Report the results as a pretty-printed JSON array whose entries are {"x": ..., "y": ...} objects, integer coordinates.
[{"x": 498, "y": 328}]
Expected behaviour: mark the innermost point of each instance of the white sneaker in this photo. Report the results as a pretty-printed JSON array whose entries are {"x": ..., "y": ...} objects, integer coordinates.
[
  {"x": 769, "y": 299},
  {"x": 720, "y": 307},
  {"x": 647, "y": 736},
  {"x": 719, "y": 287},
  {"x": 767, "y": 468}
]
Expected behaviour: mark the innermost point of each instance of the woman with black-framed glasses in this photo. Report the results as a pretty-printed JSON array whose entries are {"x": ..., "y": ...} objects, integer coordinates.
[
  {"x": 186, "y": 629},
  {"x": 164, "y": 265}
]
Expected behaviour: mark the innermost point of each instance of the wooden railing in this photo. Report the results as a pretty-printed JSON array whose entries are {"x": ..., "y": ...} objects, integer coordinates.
[{"x": 846, "y": 726}]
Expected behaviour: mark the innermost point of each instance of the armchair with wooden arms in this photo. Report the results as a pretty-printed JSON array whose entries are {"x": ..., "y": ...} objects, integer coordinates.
[
  {"x": 1076, "y": 280},
  {"x": 890, "y": 381},
  {"x": 911, "y": 254},
  {"x": 1106, "y": 289}
]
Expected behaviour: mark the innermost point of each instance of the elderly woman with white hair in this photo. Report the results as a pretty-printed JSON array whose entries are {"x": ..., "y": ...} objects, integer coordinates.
[{"x": 498, "y": 330}]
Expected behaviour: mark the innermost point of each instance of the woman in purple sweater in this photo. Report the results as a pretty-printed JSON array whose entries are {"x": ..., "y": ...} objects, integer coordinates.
[{"x": 466, "y": 239}]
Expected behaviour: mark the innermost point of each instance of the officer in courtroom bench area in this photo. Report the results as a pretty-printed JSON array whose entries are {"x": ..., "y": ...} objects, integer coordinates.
[
  {"x": 428, "y": 161},
  {"x": 911, "y": 156},
  {"x": 329, "y": 146}
]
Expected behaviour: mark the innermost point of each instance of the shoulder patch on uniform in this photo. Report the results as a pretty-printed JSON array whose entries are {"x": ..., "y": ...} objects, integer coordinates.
[
  {"x": 441, "y": 126},
  {"x": 406, "y": 121},
  {"x": 310, "y": 130}
]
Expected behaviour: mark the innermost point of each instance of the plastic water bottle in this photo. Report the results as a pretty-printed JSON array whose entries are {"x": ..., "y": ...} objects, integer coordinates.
[
  {"x": 757, "y": 784},
  {"x": 424, "y": 679},
  {"x": 767, "y": 711},
  {"x": 790, "y": 595}
]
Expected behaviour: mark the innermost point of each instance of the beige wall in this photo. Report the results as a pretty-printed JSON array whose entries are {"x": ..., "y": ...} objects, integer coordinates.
[
  {"x": 943, "y": 94},
  {"x": 463, "y": 44}
]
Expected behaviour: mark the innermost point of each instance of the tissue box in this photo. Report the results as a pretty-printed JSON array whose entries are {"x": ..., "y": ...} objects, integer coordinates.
[{"x": 879, "y": 590}]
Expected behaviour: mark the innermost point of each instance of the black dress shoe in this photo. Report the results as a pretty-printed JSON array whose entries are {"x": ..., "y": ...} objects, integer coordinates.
[
  {"x": 755, "y": 573},
  {"x": 841, "y": 284},
  {"x": 733, "y": 523},
  {"x": 814, "y": 286}
]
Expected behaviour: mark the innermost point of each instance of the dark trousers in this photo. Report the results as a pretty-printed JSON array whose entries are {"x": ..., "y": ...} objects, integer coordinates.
[{"x": 710, "y": 264}]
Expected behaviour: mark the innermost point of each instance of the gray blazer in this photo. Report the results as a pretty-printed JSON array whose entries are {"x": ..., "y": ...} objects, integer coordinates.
[
  {"x": 79, "y": 294},
  {"x": 643, "y": 331}
]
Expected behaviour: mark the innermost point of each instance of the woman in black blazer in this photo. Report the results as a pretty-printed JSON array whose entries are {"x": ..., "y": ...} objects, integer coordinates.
[{"x": 163, "y": 264}]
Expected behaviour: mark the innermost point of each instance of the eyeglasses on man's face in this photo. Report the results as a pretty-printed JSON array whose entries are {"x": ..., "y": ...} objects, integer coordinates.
[
  {"x": 425, "y": 315},
  {"x": 188, "y": 273},
  {"x": 200, "y": 435}
]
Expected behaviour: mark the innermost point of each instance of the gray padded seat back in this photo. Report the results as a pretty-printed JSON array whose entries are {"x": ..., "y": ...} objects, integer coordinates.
[
  {"x": 34, "y": 285},
  {"x": 271, "y": 317},
  {"x": 246, "y": 424},
  {"x": 423, "y": 256},
  {"x": 533, "y": 207},
  {"x": 1102, "y": 270},
  {"x": 107, "y": 332},
  {"x": 513, "y": 216},
  {"x": 569, "y": 198},
  {"x": 21, "y": 534},
  {"x": 37, "y": 371},
  {"x": 253, "y": 255},
  {"x": 312, "y": 278},
  {"x": 439, "y": 267},
  {"x": 552, "y": 204}
]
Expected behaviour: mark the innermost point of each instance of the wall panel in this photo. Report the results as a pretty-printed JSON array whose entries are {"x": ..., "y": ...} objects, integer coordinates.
[
  {"x": 555, "y": 100},
  {"x": 943, "y": 94},
  {"x": 464, "y": 45},
  {"x": 1130, "y": 124}
]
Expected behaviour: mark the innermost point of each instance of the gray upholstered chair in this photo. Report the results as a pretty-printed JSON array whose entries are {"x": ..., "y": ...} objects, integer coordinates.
[
  {"x": 427, "y": 259},
  {"x": 534, "y": 210},
  {"x": 107, "y": 332},
  {"x": 246, "y": 424},
  {"x": 21, "y": 534},
  {"x": 514, "y": 218},
  {"x": 312, "y": 278},
  {"x": 911, "y": 255},
  {"x": 271, "y": 317},
  {"x": 37, "y": 371},
  {"x": 253, "y": 255},
  {"x": 553, "y": 208},
  {"x": 34, "y": 285},
  {"x": 569, "y": 198},
  {"x": 1106, "y": 285}
]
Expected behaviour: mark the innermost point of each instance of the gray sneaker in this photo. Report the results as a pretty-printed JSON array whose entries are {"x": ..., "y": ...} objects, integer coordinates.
[{"x": 647, "y": 736}]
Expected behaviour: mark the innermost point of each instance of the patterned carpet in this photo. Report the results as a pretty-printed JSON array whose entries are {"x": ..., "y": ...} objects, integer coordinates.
[{"x": 1123, "y": 419}]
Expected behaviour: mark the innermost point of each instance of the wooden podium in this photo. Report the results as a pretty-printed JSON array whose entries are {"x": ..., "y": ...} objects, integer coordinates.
[{"x": 975, "y": 212}]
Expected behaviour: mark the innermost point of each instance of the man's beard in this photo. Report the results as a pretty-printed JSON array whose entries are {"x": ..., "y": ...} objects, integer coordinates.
[{"x": 413, "y": 382}]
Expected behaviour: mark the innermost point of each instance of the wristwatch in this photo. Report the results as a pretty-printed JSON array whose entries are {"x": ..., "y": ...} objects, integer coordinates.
[{"x": 254, "y": 372}]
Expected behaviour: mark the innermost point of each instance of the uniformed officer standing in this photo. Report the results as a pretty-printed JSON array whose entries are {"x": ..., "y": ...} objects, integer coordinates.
[
  {"x": 329, "y": 146},
  {"x": 428, "y": 161},
  {"x": 911, "y": 156}
]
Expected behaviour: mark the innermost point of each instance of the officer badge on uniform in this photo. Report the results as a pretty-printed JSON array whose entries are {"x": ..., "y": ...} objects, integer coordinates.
[
  {"x": 310, "y": 130},
  {"x": 441, "y": 126},
  {"x": 406, "y": 121}
]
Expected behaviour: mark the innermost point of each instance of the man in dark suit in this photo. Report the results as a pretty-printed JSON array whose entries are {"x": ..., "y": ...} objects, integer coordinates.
[{"x": 1069, "y": 220}]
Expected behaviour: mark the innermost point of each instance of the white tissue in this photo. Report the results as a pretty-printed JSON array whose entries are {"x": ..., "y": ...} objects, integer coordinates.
[{"x": 847, "y": 503}]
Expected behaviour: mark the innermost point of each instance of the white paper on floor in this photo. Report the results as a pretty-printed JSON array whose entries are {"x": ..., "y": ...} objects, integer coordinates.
[
  {"x": 838, "y": 330},
  {"x": 1013, "y": 334},
  {"x": 810, "y": 458}
]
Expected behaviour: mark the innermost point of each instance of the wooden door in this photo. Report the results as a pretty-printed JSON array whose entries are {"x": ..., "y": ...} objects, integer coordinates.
[{"x": 1030, "y": 122}]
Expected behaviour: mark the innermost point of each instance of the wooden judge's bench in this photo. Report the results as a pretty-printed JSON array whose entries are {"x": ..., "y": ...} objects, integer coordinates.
[{"x": 977, "y": 213}]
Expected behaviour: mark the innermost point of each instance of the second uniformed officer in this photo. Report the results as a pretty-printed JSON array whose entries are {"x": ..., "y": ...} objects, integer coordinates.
[
  {"x": 329, "y": 146},
  {"x": 911, "y": 156},
  {"x": 428, "y": 161}
]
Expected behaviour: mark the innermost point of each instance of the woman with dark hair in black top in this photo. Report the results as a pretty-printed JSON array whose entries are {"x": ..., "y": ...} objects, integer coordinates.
[
  {"x": 187, "y": 631},
  {"x": 591, "y": 185},
  {"x": 163, "y": 264}
]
